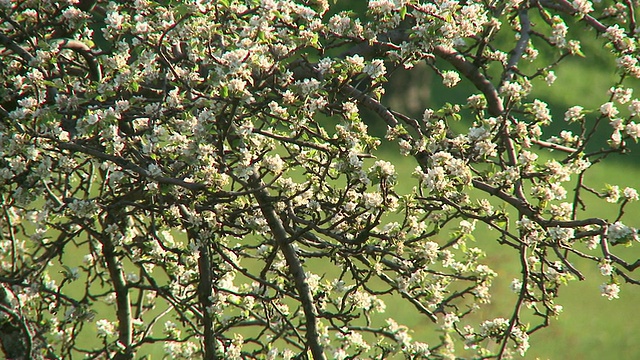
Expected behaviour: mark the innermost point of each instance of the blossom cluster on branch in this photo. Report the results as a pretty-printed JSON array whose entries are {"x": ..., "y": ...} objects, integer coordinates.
[{"x": 197, "y": 176}]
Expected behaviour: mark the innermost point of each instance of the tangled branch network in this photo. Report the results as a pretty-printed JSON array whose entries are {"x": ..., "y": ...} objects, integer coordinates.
[{"x": 221, "y": 179}]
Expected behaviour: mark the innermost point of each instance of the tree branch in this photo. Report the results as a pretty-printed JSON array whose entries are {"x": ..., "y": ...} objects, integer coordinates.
[
  {"x": 16, "y": 339},
  {"x": 295, "y": 267},
  {"x": 126, "y": 164},
  {"x": 525, "y": 209},
  {"x": 123, "y": 301},
  {"x": 521, "y": 46},
  {"x": 83, "y": 50},
  {"x": 205, "y": 288},
  {"x": 472, "y": 72},
  {"x": 515, "y": 317},
  {"x": 10, "y": 44},
  {"x": 566, "y": 7},
  {"x": 553, "y": 146}
]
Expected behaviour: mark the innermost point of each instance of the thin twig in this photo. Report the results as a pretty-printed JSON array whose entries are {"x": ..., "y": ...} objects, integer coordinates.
[
  {"x": 515, "y": 318},
  {"x": 552, "y": 146}
]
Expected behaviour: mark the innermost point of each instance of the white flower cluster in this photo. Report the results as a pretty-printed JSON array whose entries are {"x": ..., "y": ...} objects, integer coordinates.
[
  {"x": 561, "y": 234},
  {"x": 610, "y": 291},
  {"x": 450, "y": 78},
  {"x": 582, "y": 6},
  {"x": 621, "y": 233},
  {"x": 405, "y": 341},
  {"x": 105, "y": 328},
  {"x": 375, "y": 69}
]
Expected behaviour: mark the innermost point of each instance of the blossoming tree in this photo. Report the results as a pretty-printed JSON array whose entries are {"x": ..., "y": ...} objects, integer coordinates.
[{"x": 197, "y": 176}]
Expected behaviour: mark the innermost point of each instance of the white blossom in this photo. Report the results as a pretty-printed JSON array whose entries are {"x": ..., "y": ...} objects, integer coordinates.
[
  {"x": 634, "y": 108},
  {"x": 450, "y": 78},
  {"x": 606, "y": 268},
  {"x": 375, "y": 69},
  {"x": 541, "y": 111},
  {"x": 372, "y": 200},
  {"x": 621, "y": 95},
  {"x": 582, "y": 6},
  {"x": 608, "y": 109},
  {"x": 550, "y": 78},
  {"x": 561, "y": 234},
  {"x": 619, "y": 232},
  {"x": 613, "y": 193},
  {"x": 610, "y": 291},
  {"x": 632, "y": 129},
  {"x": 383, "y": 6},
  {"x": 558, "y": 32},
  {"x": 105, "y": 328},
  {"x": 630, "y": 194}
]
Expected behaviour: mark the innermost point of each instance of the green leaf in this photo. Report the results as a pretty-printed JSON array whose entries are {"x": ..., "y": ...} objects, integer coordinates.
[
  {"x": 403, "y": 12},
  {"x": 135, "y": 86},
  {"x": 182, "y": 10},
  {"x": 49, "y": 83},
  {"x": 579, "y": 53}
]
